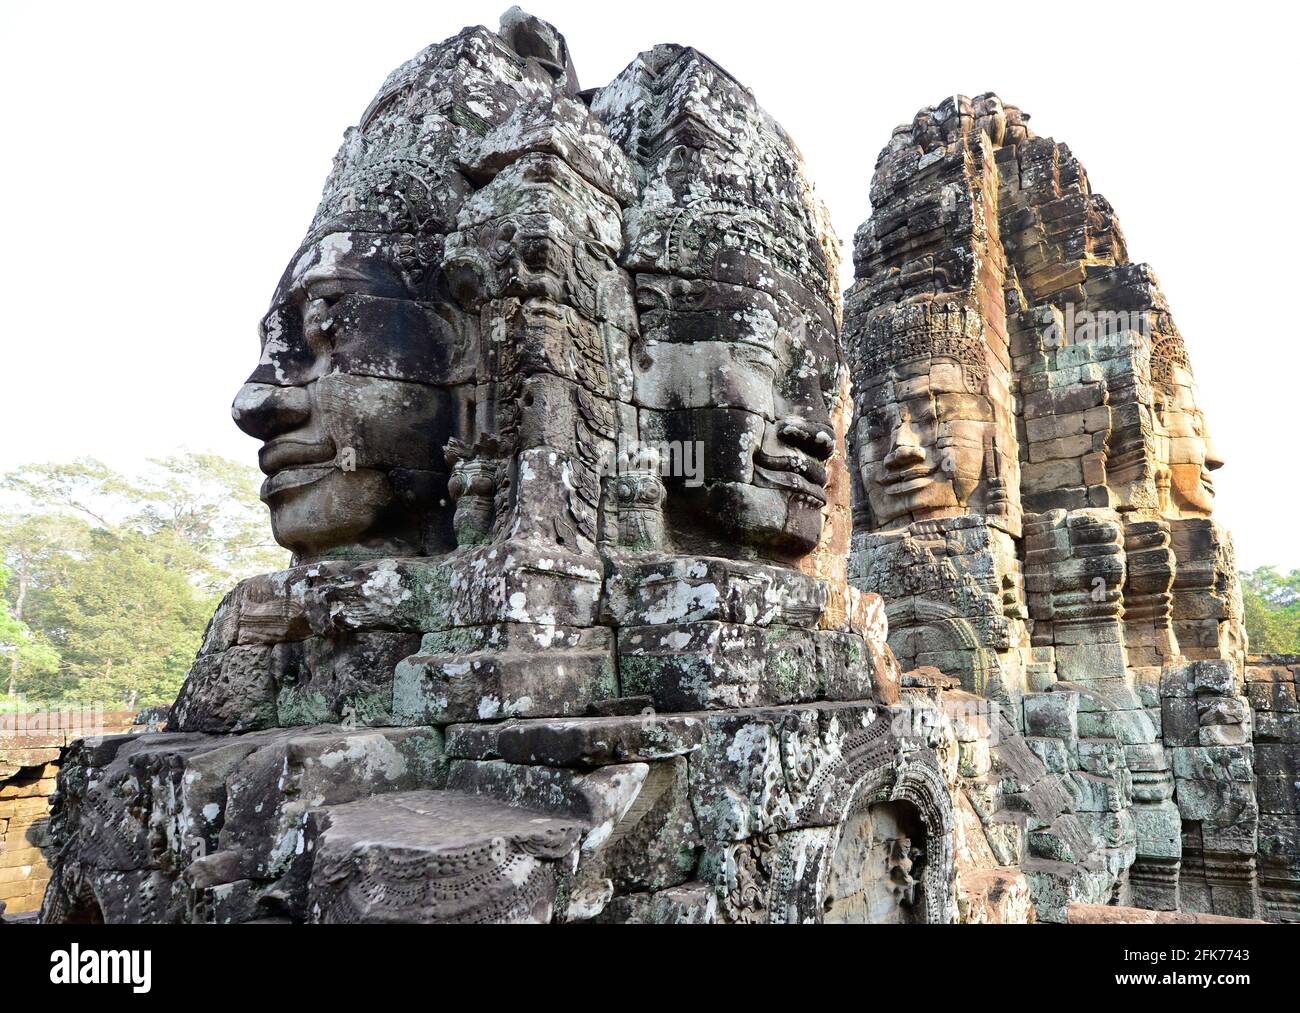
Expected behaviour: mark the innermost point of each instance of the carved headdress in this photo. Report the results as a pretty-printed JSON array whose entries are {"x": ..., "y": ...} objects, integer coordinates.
[
  {"x": 394, "y": 173},
  {"x": 1167, "y": 353},
  {"x": 398, "y": 171},
  {"x": 914, "y": 331}
]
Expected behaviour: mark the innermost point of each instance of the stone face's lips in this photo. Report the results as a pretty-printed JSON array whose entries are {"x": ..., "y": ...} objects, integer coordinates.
[
  {"x": 793, "y": 471},
  {"x": 907, "y": 481},
  {"x": 796, "y": 463},
  {"x": 283, "y": 453},
  {"x": 292, "y": 478}
]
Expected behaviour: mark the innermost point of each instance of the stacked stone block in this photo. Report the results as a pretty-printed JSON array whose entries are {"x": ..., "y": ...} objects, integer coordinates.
[
  {"x": 30, "y": 744},
  {"x": 1271, "y": 688},
  {"x": 24, "y": 810},
  {"x": 1113, "y": 567}
]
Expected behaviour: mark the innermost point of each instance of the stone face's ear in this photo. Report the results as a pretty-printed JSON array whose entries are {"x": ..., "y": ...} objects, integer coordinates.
[{"x": 535, "y": 39}]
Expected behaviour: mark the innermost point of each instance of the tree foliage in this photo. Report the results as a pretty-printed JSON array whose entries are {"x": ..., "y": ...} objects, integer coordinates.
[
  {"x": 111, "y": 577},
  {"x": 1271, "y": 610},
  {"x": 21, "y": 648}
]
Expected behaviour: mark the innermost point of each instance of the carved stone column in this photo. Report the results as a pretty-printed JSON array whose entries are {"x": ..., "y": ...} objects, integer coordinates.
[
  {"x": 1074, "y": 576},
  {"x": 1208, "y": 735}
]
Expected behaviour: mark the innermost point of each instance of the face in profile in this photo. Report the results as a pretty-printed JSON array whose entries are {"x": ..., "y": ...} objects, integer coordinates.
[
  {"x": 921, "y": 438},
  {"x": 778, "y": 494},
  {"x": 351, "y": 399},
  {"x": 1186, "y": 453},
  {"x": 751, "y": 384}
]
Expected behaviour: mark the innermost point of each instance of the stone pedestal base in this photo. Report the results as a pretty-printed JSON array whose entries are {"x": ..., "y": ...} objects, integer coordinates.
[{"x": 1153, "y": 883}]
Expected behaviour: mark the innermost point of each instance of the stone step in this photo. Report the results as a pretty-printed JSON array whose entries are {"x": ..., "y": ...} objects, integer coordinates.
[
  {"x": 579, "y": 742},
  {"x": 437, "y": 857},
  {"x": 1054, "y": 886},
  {"x": 439, "y": 688}
]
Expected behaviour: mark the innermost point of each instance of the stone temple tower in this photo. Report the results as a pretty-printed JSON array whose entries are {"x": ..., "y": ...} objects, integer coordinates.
[
  {"x": 553, "y": 406},
  {"x": 1034, "y": 492},
  {"x": 636, "y": 578}
]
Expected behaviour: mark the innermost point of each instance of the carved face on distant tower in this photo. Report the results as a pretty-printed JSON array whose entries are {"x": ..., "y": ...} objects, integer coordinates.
[
  {"x": 352, "y": 398},
  {"x": 926, "y": 428},
  {"x": 922, "y": 442},
  {"x": 1184, "y": 450}
]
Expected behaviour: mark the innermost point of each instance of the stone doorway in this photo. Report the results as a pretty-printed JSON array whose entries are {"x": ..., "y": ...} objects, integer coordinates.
[{"x": 875, "y": 875}]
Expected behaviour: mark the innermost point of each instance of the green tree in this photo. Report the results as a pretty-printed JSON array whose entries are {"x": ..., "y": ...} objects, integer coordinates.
[
  {"x": 1280, "y": 592},
  {"x": 26, "y": 651},
  {"x": 116, "y": 575},
  {"x": 36, "y": 552},
  {"x": 207, "y": 506},
  {"x": 127, "y": 622},
  {"x": 1271, "y": 610}
]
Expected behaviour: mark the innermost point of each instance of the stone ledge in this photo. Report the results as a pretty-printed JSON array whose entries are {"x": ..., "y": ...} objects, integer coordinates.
[{"x": 1106, "y": 914}]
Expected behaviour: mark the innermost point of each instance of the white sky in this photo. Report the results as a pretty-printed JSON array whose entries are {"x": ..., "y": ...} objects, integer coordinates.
[{"x": 163, "y": 161}]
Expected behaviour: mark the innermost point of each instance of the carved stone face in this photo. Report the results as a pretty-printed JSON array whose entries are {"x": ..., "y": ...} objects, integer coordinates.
[
  {"x": 781, "y": 499},
  {"x": 751, "y": 385},
  {"x": 921, "y": 442},
  {"x": 350, "y": 399},
  {"x": 1185, "y": 452}
]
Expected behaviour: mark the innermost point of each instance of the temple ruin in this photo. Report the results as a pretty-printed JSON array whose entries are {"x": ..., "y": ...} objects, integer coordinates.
[
  {"x": 1034, "y": 501},
  {"x": 639, "y": 577}
]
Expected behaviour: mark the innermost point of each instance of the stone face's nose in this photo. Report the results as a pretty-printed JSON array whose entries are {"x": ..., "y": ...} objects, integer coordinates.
[
  {"x": 901, "y": 456},
  {"x": 264, "y": 411},
  {"x": 905, "y": 446},
  {"x": 817, "y": 439},
  {"x": 1213, "y": 460}
]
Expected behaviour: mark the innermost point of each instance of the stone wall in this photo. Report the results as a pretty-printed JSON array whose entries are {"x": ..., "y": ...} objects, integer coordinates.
[
  {"x": 1109, "y": 914},
  {"x": 24, "y": 811},
  {"x": 1271, "y": 685},
  {"x": 29, "y": 750}
]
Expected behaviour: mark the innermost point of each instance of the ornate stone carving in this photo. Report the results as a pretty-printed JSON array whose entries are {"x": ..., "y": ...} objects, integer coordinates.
[
  {"x": 993, "y": 290},
  {"x": 553, "y": 406},
  {"x": 472, "y": 487},
  {"x": 737, "y": 280}
]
